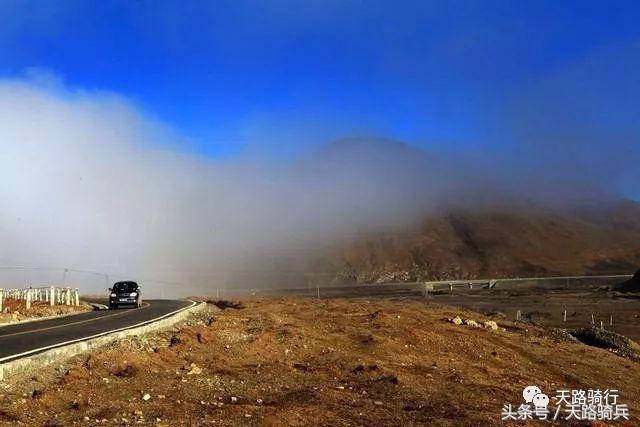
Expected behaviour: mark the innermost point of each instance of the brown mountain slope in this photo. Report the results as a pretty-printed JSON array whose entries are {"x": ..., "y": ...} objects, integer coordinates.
[{"x": 518, "y": 243}]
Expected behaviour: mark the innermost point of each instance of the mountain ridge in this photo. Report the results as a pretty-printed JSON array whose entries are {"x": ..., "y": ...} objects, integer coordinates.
[{"x": 466, "y": 245}]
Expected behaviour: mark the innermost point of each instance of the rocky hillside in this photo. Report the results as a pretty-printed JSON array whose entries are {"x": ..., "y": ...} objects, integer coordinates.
[{"x": 521, "y": 242}]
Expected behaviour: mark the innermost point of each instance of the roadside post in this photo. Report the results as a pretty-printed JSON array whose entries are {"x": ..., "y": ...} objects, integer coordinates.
[
  {"x": 1, "y": 296},
  {"x": 52, "y": 296},
  {"x": 77, "y": 300},
  {"x": 428, "y": 287}
]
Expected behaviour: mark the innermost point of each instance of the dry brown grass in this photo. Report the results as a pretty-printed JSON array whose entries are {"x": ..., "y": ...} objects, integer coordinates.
[{"x": 331, "y": 362}]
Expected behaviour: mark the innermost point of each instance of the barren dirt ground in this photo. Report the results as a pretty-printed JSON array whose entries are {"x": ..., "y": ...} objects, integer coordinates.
[
  {"x": 618, "y": 312},
  {"x": 14, "y": 310},
  {"x": 299, "y": 361}
]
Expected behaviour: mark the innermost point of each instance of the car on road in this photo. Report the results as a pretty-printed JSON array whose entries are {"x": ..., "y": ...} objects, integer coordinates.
[{"x": 125, "y": 293}]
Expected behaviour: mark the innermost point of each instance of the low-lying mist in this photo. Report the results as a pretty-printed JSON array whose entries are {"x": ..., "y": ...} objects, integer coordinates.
[{"x": 91, "y": 182}]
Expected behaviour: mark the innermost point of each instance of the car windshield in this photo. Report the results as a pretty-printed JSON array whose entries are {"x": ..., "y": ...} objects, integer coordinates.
[{"x": 125, "y": 287}]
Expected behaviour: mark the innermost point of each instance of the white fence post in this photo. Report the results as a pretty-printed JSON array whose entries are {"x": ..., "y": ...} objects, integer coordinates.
[
  {"x": 68, "y": 297},
  {"x": 77, "y": 298},
  {"x": 28, "y": 298},
  {"x": 52, "y": 296},
  {"x": 1, "y": 296}
]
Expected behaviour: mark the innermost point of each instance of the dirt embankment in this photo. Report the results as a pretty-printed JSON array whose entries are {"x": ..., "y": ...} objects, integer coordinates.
[
  {"x": 327, "y": 362},
  {"x": 14, "y": 310},
  {"x": 631, "y": 285}
]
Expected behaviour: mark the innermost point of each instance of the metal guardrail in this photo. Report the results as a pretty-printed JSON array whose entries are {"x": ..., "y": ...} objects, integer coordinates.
[{"x": 423, "y": 288}]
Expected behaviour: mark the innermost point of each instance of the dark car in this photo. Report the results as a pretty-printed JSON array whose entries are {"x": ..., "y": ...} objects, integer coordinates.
[{"x": 125, "y": 293}]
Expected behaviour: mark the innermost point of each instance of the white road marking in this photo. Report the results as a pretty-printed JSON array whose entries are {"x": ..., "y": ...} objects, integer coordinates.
[{"x": 37, "y": 350}]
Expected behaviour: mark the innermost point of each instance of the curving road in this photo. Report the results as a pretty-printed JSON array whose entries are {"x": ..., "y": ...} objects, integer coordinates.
[{"x": 33, "y": 337}]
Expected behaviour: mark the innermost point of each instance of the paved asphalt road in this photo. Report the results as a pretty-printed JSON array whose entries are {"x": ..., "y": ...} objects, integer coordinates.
[{"x": 20, "y": 338}]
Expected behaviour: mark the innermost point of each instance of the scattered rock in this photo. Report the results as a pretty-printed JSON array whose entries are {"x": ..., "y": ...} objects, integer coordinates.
[
  {"x": 472, "y": 323},
  {"x": 490, "y": 324},
  {"x": 195, "y": 370},
  {"x": 146, "y": 397},
  {"x": 456, "y": 320}
]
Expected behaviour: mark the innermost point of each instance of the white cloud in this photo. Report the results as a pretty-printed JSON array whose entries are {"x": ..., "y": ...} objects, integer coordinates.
[{"x": 89, "y": 181}]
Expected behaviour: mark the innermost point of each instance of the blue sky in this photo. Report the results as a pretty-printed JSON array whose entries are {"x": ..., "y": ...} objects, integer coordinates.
[
  {"x": 280, "y": 76},
  {"x": 534, "y": 99}
]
